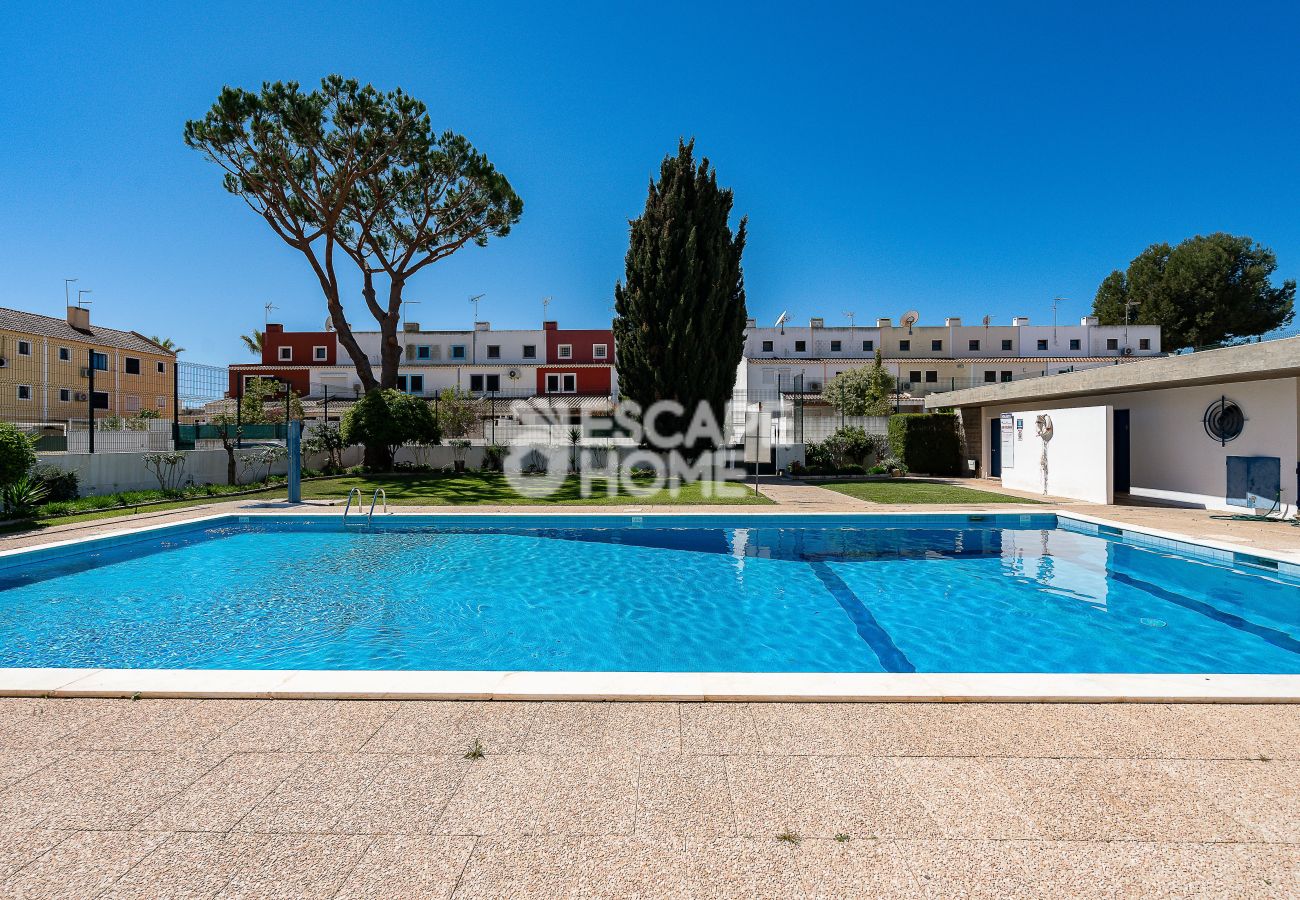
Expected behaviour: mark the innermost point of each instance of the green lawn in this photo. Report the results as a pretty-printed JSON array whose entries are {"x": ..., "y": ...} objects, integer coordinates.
[
  {"x": 489, "y": 488},
  {"x": 909, "y": 491},
  {"x": 437, "y": 489}
]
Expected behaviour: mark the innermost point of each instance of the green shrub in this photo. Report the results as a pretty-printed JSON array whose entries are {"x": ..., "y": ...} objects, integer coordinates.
[
  {"x": 17, "y": 454},
  {"x": 59, "y": 485},
  {"x": 22, "y": 496},
  {"x": 386, "y": 419},
  {"x": 926, "y": 442}
]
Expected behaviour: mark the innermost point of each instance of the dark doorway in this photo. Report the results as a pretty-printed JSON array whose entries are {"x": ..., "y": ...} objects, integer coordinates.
[
  {"x": 995, "y": 448},
  {"x": 1121, "y": 443}
]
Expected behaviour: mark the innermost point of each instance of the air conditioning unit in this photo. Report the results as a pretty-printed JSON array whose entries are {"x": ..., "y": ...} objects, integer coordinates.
[
  {"x": 813, "y": 386},
  {"x": 4, "y": 363},
  {"x": 1127, "y": 351},
  {"x": 85, "y": 372},
  {"x": 513, "y": 374},
  {"x": 81, "y": 396}
]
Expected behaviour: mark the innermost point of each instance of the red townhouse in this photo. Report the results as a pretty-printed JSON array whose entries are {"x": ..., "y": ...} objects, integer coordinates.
[
  {"x": 578, "y": 362},
  {"x": 288, "y": 356}
]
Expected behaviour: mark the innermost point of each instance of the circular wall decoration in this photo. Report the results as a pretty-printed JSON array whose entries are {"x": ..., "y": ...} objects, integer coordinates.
[{"x": 1224, "y": 420}]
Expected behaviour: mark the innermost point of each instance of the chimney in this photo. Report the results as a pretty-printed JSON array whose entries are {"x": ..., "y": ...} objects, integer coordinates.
[
  {"x": 79, "y": 318},
  {"x": 482, "y": 326},
  {"x": 1018, "y": 321},
  {"x": 816, "y": 322},
  {"x": 550, "y": 326},
  {"x": 274, "y": 328},
  {"x": 884, "y": 323},
  {"x": 952, "y": 322},
  {"x": 411, "y": 327},
  {"x": 1089, "y": 321},
  {"x": 751, "y": 323}
]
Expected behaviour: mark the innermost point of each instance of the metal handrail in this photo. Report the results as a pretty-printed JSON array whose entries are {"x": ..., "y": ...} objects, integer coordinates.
[
  {"x": 373, "y": 501},
  {"x": 356, "y": 491}
]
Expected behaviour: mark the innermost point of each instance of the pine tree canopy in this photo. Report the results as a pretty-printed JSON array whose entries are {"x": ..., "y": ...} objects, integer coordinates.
[{"x": 681, "y": 310}]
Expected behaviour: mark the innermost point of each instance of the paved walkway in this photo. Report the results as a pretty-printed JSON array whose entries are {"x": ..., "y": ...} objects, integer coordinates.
[{"x": 156, "y": 798}]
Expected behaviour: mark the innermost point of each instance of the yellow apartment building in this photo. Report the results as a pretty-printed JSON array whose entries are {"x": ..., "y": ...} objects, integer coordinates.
[{"x": 45, "y": 370}]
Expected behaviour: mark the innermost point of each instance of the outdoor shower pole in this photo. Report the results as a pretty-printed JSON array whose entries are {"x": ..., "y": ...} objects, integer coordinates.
[
  {"x": 293, "y": 442},
  {"x": 91, "y": 396}
]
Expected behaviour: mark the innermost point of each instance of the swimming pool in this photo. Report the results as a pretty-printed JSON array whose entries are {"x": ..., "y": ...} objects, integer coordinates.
[{"x": 774, "y": 594}]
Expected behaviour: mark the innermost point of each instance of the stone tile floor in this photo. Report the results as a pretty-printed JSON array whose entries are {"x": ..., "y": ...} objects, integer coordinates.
[{"x": 245, "y": 798}]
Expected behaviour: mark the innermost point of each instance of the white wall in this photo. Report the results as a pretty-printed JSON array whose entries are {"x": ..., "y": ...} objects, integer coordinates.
[
  {"x": 109, "y": 473},
  {"x": 1172, "y": 458},
  {"x": 1078, "y": 454}
]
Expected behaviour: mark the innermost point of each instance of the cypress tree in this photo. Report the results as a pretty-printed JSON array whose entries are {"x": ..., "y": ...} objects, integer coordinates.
[{"x": 681, "y": 310}]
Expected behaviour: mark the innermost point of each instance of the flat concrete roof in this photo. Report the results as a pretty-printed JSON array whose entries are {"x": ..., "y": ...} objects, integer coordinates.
[{"x": 1247, "y": 362}]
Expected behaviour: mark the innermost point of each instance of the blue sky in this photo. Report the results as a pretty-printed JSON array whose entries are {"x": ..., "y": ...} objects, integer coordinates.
[{"x": 962, "y": 159}]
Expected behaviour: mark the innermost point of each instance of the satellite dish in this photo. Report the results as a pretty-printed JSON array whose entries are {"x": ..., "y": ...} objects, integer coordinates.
[
  {"x": 329, "y": 323},
  {"x": 782, "y": 319},
  {"x": 910, "y": 318}
]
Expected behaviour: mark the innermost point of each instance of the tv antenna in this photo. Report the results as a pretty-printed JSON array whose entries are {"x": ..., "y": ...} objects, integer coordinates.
[
  {"x": 405, "y": 303},
  {"x": 266, "y": 312},
  {"x": 781, "y": 320},
  {"x": 848, "y": 314},
  {"x": 1056, "y": 301},
  {"x": 475, "y": 299},
  {"x": 84, "y": 303},
  {"x": 988, "y": 320},
  {"x": 546, "y": 301},
  {"x": 910, "y": 318},
  {"x": 67, "y": 300}
]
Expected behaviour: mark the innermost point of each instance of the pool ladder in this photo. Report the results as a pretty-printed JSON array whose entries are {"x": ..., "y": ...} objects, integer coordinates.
[{"x": 379, "y": 492}]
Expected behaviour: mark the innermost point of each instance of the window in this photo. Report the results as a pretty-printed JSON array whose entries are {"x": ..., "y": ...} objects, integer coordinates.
[
  {"x": 564, "y": 351},
  {"x": 931, "y": 377},
  {"x": 132, "y": 402},
  {"x": 457, "y": 351},
  {"x": 990, "y": 377},
  {"x": 482, "y": 383},
  {"x": 24, "y": 392},
  {"x": 99, "y": 361},
  {"x": 767, "y": 346},
  {"x": 1074, "y": 344},
  {"x": 131, "y": 365},
  {"x": 319, "y": 353},
  {"x": 1042, "y": 344},
  {"x": 936, "y": 346},
  {"x": 65, "y": 354},
  {"x": 1006, "y": 345},
  {"x": 566, "y": 383},
  {"x": 1144, "y": 343},
  {"x": 494, "y": 351},
  {"x": 24, "y": 348},
  {"x": 286, "y": 354},
  {"x": 65, "y": 395},
  {"x": 530, "y": 351},
  {"x": 410, "y": 384},
  {"x": 800, "y": 346},
  {"x": 1006, "y": 376},
  {"x": 835, "y": 346},
  {"x": 99, "y": 400},
  {"x": 868, "y": 346},
  {"x": 1112, "y": 343},
  {"x": 160, "y": 401},
  {"x": 599, "y": 351},
  {"x": 914, "y": 376},
  {"x": 162, "y": 368},
  {"x": 974, "y": 345},
  {"x": 904, "y": 346},
  {"x": 423, "y": 352}
]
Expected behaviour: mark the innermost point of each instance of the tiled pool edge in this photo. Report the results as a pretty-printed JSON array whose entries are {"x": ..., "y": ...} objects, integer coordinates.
[
  {"x": 649, "y": 686},
  {"x": 668, "y": 686}
]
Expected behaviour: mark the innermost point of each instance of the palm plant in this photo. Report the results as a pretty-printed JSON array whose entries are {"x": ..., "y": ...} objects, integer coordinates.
[
  {"x": 167, "y": 344},
  {"x": 253, "y": 342}
]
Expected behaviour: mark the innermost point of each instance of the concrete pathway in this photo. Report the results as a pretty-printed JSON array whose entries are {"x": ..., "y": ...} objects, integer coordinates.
[{"x": 156, "y": 798}]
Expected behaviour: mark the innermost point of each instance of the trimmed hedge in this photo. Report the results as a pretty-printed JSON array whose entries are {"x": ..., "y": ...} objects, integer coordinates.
[{"x": 927, "y": 442}]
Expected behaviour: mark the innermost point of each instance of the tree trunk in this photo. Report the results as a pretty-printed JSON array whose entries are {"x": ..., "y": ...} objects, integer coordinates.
[
  {"x": 346, "y": 338},
  {"x": 377, "y": 458},
  {"x": 231, "y": 477},
  {"x": 390, "y": 352}
]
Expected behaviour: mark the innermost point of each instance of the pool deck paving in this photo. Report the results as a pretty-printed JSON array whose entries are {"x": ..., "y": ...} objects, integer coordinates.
[
  {"x": 303, "y": 798},
  {"x": 245, "y": 798}
]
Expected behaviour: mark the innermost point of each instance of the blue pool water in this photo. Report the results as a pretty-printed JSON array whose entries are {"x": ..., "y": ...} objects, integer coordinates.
[{"x": 951, "y": 594}]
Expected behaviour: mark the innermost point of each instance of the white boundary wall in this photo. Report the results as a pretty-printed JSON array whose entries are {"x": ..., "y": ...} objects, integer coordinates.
[
  {"x": 1171, "y": 457},
  {"x": 1079, "y": 464}
]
